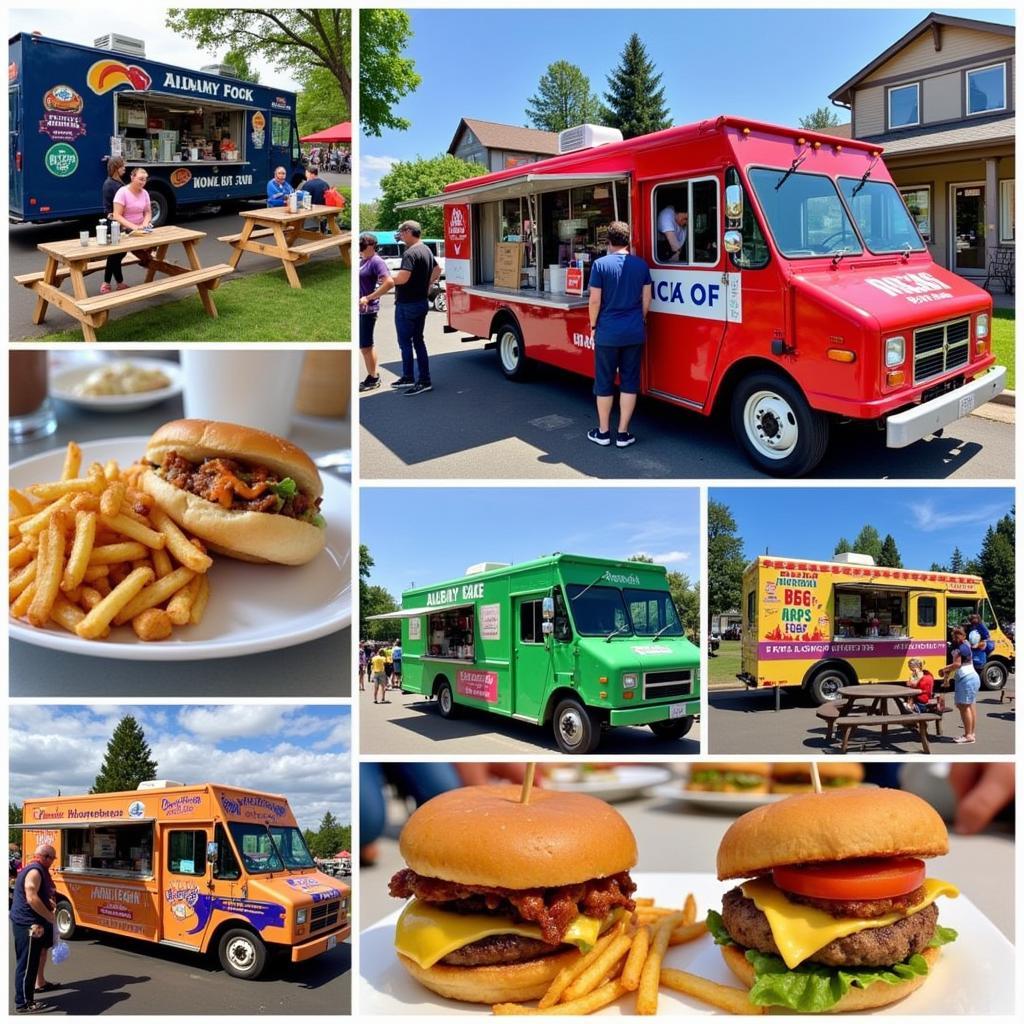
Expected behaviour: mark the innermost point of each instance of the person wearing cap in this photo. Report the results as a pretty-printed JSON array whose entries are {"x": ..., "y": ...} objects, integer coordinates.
[
  {"x": 413, "y": 280},
  {"x": 375, "y": 280}
]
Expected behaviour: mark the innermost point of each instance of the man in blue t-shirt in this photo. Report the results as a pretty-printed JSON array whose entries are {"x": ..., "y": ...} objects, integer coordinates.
[
  {"x": 620, "y": 296},
  {"x": 980, "y": 650}
]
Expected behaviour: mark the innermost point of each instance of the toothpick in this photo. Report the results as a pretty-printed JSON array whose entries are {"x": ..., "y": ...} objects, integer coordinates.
[
  {"x": 528, "y": 783},
  {"x": 815, "y": 777}
]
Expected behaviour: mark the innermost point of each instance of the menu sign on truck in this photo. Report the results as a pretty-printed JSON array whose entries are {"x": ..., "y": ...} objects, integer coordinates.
[{"x": 458, "y": 247}]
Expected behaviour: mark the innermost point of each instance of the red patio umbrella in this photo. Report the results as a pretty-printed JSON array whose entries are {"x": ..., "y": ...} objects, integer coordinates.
[{"x": 339, "y": 133}]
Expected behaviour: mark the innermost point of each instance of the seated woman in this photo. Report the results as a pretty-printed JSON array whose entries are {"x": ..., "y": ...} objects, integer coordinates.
[{"x": 921, "y": 679}]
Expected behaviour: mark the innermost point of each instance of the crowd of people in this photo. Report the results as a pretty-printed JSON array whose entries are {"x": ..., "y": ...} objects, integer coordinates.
[
  {"x": 335, "y": 159},
  {"x": 380, "y": 663}
]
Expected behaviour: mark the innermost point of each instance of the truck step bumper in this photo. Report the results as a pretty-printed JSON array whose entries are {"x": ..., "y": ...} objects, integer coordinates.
[
  {"x": 903, "y": 428},
  {"x": 652, "y": 713},
  {"x": 321, "y": 944}
]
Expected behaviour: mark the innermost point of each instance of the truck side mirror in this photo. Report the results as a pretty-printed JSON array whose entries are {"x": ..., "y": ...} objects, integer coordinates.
[
  {"x": 547, "y": 628},
  {"x": 548, "y": 608},
  {"x": 211, "y": 852},
  {"x": 733, "y": 241},
  {"x": 733, "y": 202}
]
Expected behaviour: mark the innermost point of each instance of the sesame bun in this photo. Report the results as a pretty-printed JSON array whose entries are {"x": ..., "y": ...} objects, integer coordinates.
[
  {"x": 250, "y": 536},
  {"x": 484, "y": 835},
  {"x": 836, "y": 825}
]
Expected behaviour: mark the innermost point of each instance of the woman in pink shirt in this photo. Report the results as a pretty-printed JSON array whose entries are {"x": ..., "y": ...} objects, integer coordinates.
[{"x": 132, "y": 208}]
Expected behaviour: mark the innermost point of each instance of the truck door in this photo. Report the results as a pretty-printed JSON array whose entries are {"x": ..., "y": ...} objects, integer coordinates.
[
  {"x": 532, "y": 671},
  {"x": 687, "y": 321},
  {"x": 16, "y": 181},
  {"x": 187, "y": 886}
]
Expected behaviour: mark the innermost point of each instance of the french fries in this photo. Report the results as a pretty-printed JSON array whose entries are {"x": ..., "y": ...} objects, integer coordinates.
[
  {"x": 722, "y": 997},
  {"x": 88, "y": 552},
  {"x": 647, "y": 993}
]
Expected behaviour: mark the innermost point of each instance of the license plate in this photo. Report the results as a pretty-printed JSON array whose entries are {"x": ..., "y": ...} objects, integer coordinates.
[
  {"x": 966, "y": 405},
  {"x": 332, "y": 941},
  {"x": 677, "y": 711}
]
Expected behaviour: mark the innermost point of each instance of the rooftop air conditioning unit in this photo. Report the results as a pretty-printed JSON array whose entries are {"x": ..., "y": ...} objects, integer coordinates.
[
  {"x": 224, "y": 70},
  {"x": 587, "y": 136},
  {"x": 480, "y": 567},
  {"x": 159, "y": 784},
  {"x": 121, "y": 44},
  {"x": 853, "y": 558}
]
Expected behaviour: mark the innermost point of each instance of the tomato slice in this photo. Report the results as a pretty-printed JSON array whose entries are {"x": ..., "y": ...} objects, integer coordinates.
[{"x": 869, "y": 879}]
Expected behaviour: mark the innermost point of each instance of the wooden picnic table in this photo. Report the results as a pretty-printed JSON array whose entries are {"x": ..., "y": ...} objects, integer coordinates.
[
  {"x": 876, "y": 714},
  {"x": 288, "y": 238},
  {"x": 879, "y": 695},
  {"x": 73, "y": 260}
]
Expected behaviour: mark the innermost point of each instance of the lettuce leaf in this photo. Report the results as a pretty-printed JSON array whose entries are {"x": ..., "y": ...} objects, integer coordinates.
[
  {"x": 942, "y": 936},
  {"x": 286, "y": 488},
  {"x": 717, "y": 928}
]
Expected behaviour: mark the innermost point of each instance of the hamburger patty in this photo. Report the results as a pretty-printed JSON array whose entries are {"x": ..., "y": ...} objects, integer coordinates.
[
  {"x": 499, "y": 949},
  {"x": 861, "y": 908},
  {"x": 873, "y": 947}
]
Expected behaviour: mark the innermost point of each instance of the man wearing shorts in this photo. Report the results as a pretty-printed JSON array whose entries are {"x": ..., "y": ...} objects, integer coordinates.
[
  {"x": 620, "y": 296},
  {"x": 396, "y": 661}
]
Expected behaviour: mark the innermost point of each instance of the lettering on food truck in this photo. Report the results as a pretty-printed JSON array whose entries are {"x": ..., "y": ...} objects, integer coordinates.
[
  {"x": 260, "y": 915},
  {"x": 697, "y": 293},
  {"x": 61, "y": 160},
  {"x": 625, "y": 579},
  {"x": 313, "y": 888},
  {"x": 116, "y": 893},
  {"x": 651, "y": 649},
  {"x": 916, "y": 288},
  {"x": 185, "y": 804},
  {"x": 207, "y": 87},
  {"x": 415, "y": 629},
  {"x": 251, "y": 806},
  {"x": 478, "y": 685},
  {"x": 448, "y": 595},
  {"x": 490, "y": 622}
]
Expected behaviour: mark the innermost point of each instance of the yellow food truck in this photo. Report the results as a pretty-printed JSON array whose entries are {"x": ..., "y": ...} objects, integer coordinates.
[
  {"x": 202, "y": 867},
  {"x": 825, "y": 625}
]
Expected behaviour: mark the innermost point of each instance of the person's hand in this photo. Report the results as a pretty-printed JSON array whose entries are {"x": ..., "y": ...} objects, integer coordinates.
[
  {"x": 982, "y": 791},
  {"x": 481, "y": 774},
  {"x": 36, "y": 931},
  {"x": 364, "y": 301}
]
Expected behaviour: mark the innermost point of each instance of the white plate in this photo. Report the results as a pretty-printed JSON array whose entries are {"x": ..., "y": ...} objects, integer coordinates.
[
  {"x": 973, "y": 976},
  {"x": 629, "y": 781},
  {"x": 252, "y": 608},
  {"x": 64, "y": 381},
  {"x": 729, "y": 802}
]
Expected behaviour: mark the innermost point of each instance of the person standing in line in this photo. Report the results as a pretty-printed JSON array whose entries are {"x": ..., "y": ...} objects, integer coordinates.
[
  {"x": 389, "y": 667},
  {"x": 32, "y": 921},
  {"x": 620, "y": 296},
  {"x": 362, "y": 666},
  {"x": 377, "y": 675},
  {"x": 114, "y": 182},
  {"x": 965, "y": 683},
  {"x": 413, "y": 280},
  {"x": 375, "y": 280},
  {"x": 396, "y": 660}
]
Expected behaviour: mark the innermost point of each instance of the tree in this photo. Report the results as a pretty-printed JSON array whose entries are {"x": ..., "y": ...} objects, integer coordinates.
[
  {"x": 293, "y": 39},
  {"x": 240, "y": 62},
  {"x": 320, "y": 104},
  {"x": 413, "y": 179},
  {"x": 378, "y": 601},
  {"x": 725, "y": 560},
  {"x": 127, "y": 761},
  {"x": 868, "y": 542},
  {"x": 385, "y": 74},
  {"x": 821, "y": 120},
  {"x": 956, "y": 562},
  {"x": 14, "y": 813},
  {"x": 369, "y": 216},
  {"x": 685, "y": 596},
  {"x": 563, "y": 99},
  {"x": 996, "y": 568},
  {"x": 329, "y": 838},
  {"x": 841, "y": 545},
  {"x": 636, "y": 100},
  {"x": 890, "y": 555}
]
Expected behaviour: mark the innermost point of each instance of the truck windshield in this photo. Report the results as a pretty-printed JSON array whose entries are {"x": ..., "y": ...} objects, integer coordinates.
[
  {"x": 805, "y": 214},
  {"x": 598, "y": 611},
  {"x": 881, "y": 215},
  {"x": 653, "y": 611},
  {"x": 264, "y": 850}
]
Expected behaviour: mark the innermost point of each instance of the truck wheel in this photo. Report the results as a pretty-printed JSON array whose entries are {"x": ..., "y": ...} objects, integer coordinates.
[
  {"x": 446, "y": 701},
  {"x": 512, "y": 351},
  {"x": 673, "y": 729},
  {"x": 242, "y": 953},
  {"x": 825, "y": 684},
  {"x": 577, "y": 730},
  {"x": 778, "y": 430},
  {"x": 64, "y": 916},
  {"x": 440, "y": 301},
  {"x": 993, "y": 675},
  {"x": 162, "y": 206}
]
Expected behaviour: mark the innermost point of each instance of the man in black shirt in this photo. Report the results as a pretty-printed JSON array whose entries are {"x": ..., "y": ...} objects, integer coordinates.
[{"x": 413, "y": 281}]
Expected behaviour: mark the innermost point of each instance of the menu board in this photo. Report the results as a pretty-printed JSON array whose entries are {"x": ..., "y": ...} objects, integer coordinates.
[{"x": 508, "y": 264}]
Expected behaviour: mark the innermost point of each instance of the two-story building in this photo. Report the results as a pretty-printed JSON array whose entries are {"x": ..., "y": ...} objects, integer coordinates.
[
  {"x": 941, "y": 102},
  {"x": 500, "y": 146}
]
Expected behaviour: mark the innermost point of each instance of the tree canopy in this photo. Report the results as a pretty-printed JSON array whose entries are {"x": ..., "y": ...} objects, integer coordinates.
[
  {"x": 385, "y": 74},
  {"x": 563, "y": 99},
  {"x": 821, "y": 119},
  {"x": 890, "y": 554},
  {"x": 128, "y": 759},
  {"x": 725, "y": 560},
  {"x": 413, "y": 179},
  {"x": 635, "y": 97},
  {"x": 330, "y": 837},
  {"x": 685, "y": 596}
]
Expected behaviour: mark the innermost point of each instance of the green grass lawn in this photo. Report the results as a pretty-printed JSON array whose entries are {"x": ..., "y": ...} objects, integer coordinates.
[
  {"x": 722, "y": 670},
  {"x": 1002, "y": 341},
  {"x": 250, "y": 307}
]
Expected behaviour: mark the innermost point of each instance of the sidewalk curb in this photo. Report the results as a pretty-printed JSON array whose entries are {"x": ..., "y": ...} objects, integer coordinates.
[{"x": 1006, "y": 398}]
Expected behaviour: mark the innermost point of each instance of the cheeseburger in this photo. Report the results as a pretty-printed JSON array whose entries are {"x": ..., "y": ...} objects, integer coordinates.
[
  {"x": 796, "y": 777},
  {"x": 837, "y": 913},
  {"x": 243, "y": 492},
  {"x": 502, "y": 894},
  {"x": 729, "y": 777}
]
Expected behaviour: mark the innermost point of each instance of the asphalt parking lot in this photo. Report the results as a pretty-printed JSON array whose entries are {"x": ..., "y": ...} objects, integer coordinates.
[{"x": 475, "y": 424}]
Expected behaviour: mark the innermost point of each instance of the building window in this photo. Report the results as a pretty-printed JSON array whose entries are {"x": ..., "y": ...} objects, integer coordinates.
[
  {"x": 986, "y": 89},
  {"x": 686, "y": 215},
  {"x": 905, "y": 106},
  {"x": 1007, "y": 204},
  {"x": 919, "y": 202}
]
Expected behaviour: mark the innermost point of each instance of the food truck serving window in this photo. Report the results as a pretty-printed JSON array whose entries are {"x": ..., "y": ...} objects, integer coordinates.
[
  {"x": 959, "y": 612},
  {"x": 653, "y": 611},
  {"x": 186, "y": 852},
  {"x": 599, "y": 611},
  {"x": 172, "y": 129},
  {"x": 867, "y": 612},
  {"x": 804, "y": 212},
  {"x": 686, "y": 222},
  {"x": 113, "y": 849},
  {"x": 450, "y": 633}
]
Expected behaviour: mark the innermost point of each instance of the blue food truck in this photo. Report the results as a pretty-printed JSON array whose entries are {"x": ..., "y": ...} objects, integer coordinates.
[{"x": 203, "y": 137}]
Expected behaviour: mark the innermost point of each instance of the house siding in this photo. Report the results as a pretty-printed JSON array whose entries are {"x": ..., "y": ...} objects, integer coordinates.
[{"x": 957, "y": 44}]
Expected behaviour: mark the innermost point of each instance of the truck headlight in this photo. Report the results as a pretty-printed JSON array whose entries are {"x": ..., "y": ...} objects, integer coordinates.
[
  {"x": 981, "y": 327},
  {"x": 300, "y": 916},
  {"x": 895, "y": 350},
  {"x": 629, "y": 681}
]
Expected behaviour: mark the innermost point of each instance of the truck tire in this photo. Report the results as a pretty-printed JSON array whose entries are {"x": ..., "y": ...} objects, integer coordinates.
[
  {"x": 781, "y": 434},
  {"x": 162, "y": 205},
  {"x": 577, "y": 730},
  {"x": 64, "y": 917},
  {"x": 446, "y": 701},
  {"x": 994, "y": 675},
  {"x": 440, "y": 301},
  {"x": 824, "y": 685},
  {"x": 242, "y": 953},
  {"x": 511, "y": 351},
  {"x": 673, "y": 729}
]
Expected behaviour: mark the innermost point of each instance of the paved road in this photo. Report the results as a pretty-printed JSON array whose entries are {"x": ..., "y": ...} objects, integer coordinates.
[
  {"x": 411, "y": 724},
  {"x": 477, "y": 425},
  {"x": 117, "y": 975},
  {"x": 744, "y": 721},
  {"x": 25, "y": 258}
]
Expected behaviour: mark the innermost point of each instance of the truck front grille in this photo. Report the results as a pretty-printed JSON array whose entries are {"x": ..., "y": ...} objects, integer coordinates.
[
  {"x": 675, "y": 683},
  {"x": 940, "y": 348},
  {"x": 325, "y": 915}
]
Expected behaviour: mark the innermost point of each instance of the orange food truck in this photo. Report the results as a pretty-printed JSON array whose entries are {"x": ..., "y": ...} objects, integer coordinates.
[
  {"x": 202, "y": 867},
  {"x": 791, "y": 285}
]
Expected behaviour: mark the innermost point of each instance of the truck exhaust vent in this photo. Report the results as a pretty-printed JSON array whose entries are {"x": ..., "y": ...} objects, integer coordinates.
[
  {"x": 480, "y": 567},
  {"x": 121, "y": 44},
  {"x": 159, "y": 784},
  {"x": 853, "y": 558},
  {"x": 587, "y": 136},
  {"x": 224, "y": 70}
]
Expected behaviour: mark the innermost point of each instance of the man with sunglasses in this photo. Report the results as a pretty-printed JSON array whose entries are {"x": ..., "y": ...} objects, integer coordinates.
[
  {"x": 32, "y": 921},
  {"x": 413, "y": 281}
]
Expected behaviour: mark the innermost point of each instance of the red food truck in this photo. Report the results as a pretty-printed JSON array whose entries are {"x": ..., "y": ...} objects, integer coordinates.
[{"x": 791, "y": 285}]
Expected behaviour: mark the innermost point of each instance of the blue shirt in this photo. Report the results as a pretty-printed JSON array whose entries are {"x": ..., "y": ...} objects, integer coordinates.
[
  {"x": 316, "y": 187},
  {"x": 277, "y": 194},
  {"x": 979, "y": 655},
  {"x": 966, "y": 655},
  {"x": 621, "y": 278},
  {"x": 21, "y": 910}
]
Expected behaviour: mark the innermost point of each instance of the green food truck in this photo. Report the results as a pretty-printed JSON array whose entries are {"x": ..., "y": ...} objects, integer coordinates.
[{"x": 569, "y": 641}]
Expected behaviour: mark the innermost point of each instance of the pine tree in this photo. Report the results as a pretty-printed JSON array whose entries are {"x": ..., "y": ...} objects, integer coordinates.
[
  {"x": 842, "y": 545},
  {"x": 636, "y": 100},
  {"x": 890, "y": 555},
  {"x": 563, "y": 99},
  {"x": 996, "y": 568},
  {"x": 956, "y": 562},
  {"x": 868, "y": 542},
  {"x": 127, "y": 761}
]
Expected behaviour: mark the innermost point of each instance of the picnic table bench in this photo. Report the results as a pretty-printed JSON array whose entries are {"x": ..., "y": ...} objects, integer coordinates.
[
  {"x": 848, "y": 724},
  {"x": 830, "y": 713},
  {"x": 73, "y": 260}
]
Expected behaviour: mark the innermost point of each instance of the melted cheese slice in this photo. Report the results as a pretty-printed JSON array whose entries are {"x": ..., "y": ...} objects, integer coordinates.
[
  {"x": 426, "y": 933},
  {"x": 800, "y": 930}
]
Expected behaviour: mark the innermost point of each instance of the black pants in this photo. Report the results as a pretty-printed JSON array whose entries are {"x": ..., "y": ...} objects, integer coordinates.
[
  {"x": 28, "y": 951},
  {"x": 112, "y": 271}
]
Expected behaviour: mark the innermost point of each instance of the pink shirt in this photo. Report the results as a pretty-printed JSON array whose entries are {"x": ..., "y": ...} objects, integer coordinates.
[{"x": 135, "y": 206}]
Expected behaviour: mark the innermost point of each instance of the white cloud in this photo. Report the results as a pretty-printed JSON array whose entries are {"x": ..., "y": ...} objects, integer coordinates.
[
  {"x": 231, "y": 720},
  {"x": 930, "y": 517},
  {"x": 672, "y": 557},
  {"x": 371, "y": 170}
]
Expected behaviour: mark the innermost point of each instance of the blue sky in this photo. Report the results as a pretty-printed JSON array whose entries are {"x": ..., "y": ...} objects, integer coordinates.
[
  {"x": 423, "y": 536},
  {"x": 926, "y": 522},
  {"x": 302, "y": 752},
  {"x": 775, "y": 65}
]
